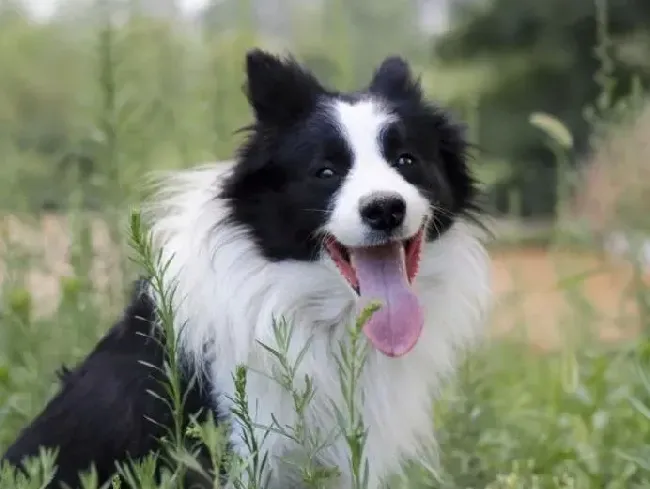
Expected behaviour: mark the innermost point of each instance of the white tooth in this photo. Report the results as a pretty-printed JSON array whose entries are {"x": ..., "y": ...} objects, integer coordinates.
[{"x": 402, "y": 253}]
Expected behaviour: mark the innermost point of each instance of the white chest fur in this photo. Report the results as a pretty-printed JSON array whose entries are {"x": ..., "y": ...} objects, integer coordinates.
[{"x": 228, "y": 296}]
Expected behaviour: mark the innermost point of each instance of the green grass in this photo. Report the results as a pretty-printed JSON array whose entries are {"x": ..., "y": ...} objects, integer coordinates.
[{"x": 513, "y": 418}]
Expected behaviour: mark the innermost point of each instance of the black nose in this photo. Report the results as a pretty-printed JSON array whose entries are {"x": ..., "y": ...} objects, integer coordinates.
[{"x": 383, "y": 212}]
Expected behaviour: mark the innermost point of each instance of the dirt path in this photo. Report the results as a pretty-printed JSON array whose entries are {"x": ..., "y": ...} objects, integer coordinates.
[
  {"x": 552, "y": 295},
  {"x": 525, "y": 281}
]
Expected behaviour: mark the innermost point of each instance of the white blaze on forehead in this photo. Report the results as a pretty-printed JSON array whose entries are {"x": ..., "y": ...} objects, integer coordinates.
[{"x": 361, "y": 124}]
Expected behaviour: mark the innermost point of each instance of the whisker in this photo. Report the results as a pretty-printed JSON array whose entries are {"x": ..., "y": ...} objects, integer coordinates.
[
  {"x": 320, "y": 235},
  {"x": 435, "y": 223},
  {"x": 322, "y": 211},
  {"x": 441, "y": 210}
]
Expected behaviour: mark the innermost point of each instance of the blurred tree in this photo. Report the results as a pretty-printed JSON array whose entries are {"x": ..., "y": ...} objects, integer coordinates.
[
  {"x": 381, "y": 29},
  {"x": 543, "y": 52},
  {"x": 11, "y": 10},
  {"x": 343, "y": 42}
]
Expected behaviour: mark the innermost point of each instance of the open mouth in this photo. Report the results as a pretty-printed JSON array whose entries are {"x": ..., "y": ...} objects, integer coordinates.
[
  {"x": 385, "y": 273},
  {"x": 407, "y": 251}
]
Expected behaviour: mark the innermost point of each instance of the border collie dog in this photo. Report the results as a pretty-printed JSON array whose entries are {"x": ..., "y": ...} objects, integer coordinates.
[{"x": 334, "y": 200}]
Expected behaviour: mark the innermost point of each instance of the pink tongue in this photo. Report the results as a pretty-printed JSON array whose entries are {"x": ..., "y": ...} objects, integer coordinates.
[{"x": 394, "y": 329}]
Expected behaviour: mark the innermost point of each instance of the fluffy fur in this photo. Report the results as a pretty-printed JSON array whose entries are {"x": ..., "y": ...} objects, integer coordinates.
[{"x": 245, "y": 241}]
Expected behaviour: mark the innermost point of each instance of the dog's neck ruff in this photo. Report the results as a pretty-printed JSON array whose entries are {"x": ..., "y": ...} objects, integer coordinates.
[{"x": 227, "y": 296}]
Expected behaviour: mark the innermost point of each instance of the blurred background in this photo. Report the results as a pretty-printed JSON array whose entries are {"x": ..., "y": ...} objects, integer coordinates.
[{"x": 95, "y": 94}]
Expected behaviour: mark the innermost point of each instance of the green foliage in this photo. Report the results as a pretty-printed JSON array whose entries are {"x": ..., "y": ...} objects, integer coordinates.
[
  {"x": 513, "y": 419},
  {"x": 94, "y": 100},
  {"x": 541, "y": 58},
  {"x": 568, "y": 418}
]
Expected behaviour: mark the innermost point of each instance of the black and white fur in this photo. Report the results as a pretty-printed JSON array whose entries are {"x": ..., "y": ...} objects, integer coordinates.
[{"x": 245, "y": 240}]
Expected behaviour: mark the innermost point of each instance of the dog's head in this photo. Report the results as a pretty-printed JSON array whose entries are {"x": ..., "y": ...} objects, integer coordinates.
[{"x": 359, "y": 180}]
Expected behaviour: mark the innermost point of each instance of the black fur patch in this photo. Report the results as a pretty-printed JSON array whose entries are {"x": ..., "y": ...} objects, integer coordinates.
[{"x": 104, "y": 411}]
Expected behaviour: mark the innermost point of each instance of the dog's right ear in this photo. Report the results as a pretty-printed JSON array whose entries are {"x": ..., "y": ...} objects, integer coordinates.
[
  {"x": 279, "y": 90},
  {"x": 394, "y": 79}
]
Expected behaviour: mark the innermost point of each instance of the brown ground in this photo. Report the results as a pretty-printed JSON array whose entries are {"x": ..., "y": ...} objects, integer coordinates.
[
  {"x": 527, "y": 282},
  {"x": 554, "y": 295}
]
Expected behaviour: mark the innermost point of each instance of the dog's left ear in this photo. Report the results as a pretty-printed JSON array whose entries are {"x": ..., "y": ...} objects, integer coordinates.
[
  {"x": 279, "y": 90},
  {"x": 394, "y": 80}
]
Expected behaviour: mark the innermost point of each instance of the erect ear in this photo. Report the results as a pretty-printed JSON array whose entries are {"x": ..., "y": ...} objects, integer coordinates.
[
  {"x": 279, "y": 90},
  {"x": 394, "y": 80}
]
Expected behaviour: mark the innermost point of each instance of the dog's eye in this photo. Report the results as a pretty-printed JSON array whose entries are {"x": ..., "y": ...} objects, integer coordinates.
[
  {"x": 404, "y": 159},
  {"x": 325, "y": 172}
]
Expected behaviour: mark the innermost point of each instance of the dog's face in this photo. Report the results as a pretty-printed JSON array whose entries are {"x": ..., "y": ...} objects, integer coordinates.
[{"x": 361, "y": 180}]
